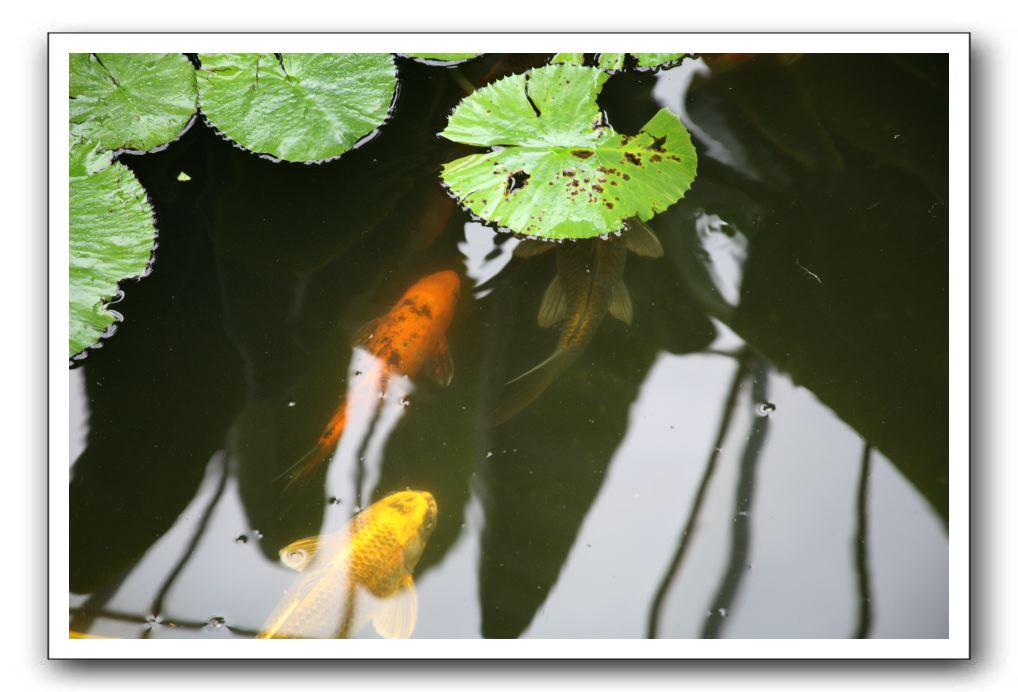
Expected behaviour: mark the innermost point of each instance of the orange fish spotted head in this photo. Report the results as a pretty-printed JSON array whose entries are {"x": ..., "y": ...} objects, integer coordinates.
[{"x": 439, "y": 292}]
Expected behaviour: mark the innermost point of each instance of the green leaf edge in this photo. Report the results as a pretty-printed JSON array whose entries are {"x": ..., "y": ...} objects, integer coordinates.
[{"x": 114, "y": 318}]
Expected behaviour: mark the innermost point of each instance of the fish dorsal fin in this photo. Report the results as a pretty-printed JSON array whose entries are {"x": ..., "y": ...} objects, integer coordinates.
[
  {"x": 299, "y": 554},
  {"x": 621, "y": 305},
  {"x": 640, "y": 240},
  {"x": 440, "y": 365},
  {"x": 363, "y": 335},
  {"x": 396, "y": 616},
  {"x": 553, "y": 305},
  {"x": 532, "y": 248}
]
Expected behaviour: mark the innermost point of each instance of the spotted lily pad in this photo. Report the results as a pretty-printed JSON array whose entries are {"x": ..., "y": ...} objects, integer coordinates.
[
  {"x": 557, "y": 169},
  {"x": 615, "y": 62},
  {"x": 297, "y": 106},
  {"x": 136, "y": 101},
  {"x": 111, "y": 236}
]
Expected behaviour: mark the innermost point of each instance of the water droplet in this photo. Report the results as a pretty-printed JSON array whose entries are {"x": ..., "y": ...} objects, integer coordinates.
[
  {"x": 765, "y": 409},
  {"x": 897, "y": 137},
  {"x": 153, "y": 621},
  {"x": 489, "y": 455},
  {"x": 723, "y": 612},
  {"x": 334, "y": 500},
  {"x": 257, "y": 534},
  {"x": 216, "y": 622},
  {"x": 240, "y": 539},
  {"x": 291, "y": 404},
  {"x": 404, "y": 401}
]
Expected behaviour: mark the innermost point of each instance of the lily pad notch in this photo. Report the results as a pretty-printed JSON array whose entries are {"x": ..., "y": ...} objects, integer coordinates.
[
  {"x": 555, "y": 168},
  {"x": 299, "y": 107}
]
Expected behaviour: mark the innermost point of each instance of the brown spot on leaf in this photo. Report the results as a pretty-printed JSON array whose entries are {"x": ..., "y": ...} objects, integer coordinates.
[
  {"x": 633, "y": 159},
  {"x": 658, "y": 143},
  {"x": 516, "y": 181},
  {"x": 581, "y": 153}
]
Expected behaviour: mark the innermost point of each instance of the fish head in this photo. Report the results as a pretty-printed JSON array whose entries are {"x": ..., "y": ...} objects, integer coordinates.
[
  {"x": 440, "y": 291},
  {"x": 412, "y": 515}
]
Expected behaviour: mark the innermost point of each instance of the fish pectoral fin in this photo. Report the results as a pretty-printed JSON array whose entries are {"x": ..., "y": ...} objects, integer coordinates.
[
  {"x": 363, "y": 335},
  {"x": 440, "y": 366},
  {"x": 620, "y": 306},
  {"x": 396, "y": 616},
  {"x": 299, "y": 554},
  {"x": 553, "y": 305},
  {"x": 640, "y": 240},
  {"x": 532, "y": 248}
]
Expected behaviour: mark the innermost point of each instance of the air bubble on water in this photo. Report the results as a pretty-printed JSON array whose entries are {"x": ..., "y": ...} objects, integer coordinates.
[
  {"x": 897, "y": 136},
  {"x": 334, "y": 500},
  {"x": 404, "y": 401},
  {"x": 291, "y": 404},
  {"x": 723, "y": 612},
  {"x": 257, "y": 534},
  {"x": 240, "y": 539},
  {"x": 216, "y": 622},
  {"x": 489, "y": 455},
  {"x": 765, "y": 409}
]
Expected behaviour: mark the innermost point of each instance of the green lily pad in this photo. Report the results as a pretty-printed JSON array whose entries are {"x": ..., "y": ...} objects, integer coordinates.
[
  {"x": 136, "y": 101},
  {"x": 615, "y": 62},
  {"x": 111, "y": 235},
  {"x": 297, "y": 106},
  {"x": 443, "y": 59},
  {"x": 87, "y": 157},
  {"x": 558, "y": 169}
]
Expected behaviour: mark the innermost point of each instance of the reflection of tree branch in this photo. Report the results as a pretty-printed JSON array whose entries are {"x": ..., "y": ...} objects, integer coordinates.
[
  {"x": 199, "y": 533},
  {"x": 701, "y": 492},
  {"x": 85, "y": 614},
  {"x": 739, "y": 551},
  {"x": 862, "y": 573},
  {"x": 143, "y": 619}
]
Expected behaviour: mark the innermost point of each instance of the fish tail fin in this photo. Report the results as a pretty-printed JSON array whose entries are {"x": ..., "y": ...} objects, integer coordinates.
[
  {"x": 528, "y": 387},
  {"x": 308, "y": 465}
]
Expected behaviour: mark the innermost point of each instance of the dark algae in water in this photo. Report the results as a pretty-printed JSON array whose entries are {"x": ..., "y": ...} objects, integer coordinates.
[{"x": 717, "y": 407}]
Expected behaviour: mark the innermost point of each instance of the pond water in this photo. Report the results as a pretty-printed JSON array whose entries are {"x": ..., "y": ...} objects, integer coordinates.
[{"x": 762, "y": 452}]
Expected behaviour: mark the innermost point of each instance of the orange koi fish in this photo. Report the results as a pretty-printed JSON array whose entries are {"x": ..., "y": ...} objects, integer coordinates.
[{"x": 403, "y": 342}]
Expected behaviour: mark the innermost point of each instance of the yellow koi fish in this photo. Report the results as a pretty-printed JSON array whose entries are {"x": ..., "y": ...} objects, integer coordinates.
[
  {"x": 406, "y": 340},
  {"x": 587, "y": 287},
  {"x": 361, "y": 573}
]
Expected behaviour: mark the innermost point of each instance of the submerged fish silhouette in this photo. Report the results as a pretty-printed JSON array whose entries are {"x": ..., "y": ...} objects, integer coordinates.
[
  {"x": 361, "y": 573},
  {"x": 587, "y": 287},
  {"x": 407, "y": 339}
]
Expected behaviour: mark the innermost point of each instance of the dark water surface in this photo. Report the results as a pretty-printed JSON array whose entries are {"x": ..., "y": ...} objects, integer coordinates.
[{"x": 762, "y": 453}]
